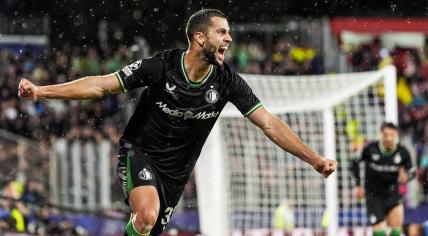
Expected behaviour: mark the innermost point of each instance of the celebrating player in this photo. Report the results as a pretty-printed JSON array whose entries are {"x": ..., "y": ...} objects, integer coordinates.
[
  {"x": 184, "y": 92},
  {"x": 387, "y": 164}
]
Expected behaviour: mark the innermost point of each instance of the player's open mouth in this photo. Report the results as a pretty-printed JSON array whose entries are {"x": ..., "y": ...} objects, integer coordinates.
[{"x": 221, "y": 51}]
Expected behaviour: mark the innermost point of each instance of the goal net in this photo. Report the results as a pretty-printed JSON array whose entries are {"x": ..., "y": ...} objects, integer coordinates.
[{"x": 246, "y": 183}]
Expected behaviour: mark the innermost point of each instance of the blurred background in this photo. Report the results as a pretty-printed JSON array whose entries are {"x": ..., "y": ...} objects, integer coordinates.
[{"x": 57, "y": 158}]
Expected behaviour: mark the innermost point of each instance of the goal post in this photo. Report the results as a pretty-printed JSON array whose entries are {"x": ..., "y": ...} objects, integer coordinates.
[{"x": 242, "y": 178}]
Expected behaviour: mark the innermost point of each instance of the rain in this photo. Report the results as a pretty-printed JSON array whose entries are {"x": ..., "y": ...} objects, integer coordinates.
[{"x": 303, "y": 59}]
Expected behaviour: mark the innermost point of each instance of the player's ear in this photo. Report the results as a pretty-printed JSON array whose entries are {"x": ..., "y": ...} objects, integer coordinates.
[{"x": 199, "y": 38}]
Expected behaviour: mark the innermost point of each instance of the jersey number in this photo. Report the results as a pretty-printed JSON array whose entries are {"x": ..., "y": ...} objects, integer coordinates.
[{"x": 168, "y": 212}]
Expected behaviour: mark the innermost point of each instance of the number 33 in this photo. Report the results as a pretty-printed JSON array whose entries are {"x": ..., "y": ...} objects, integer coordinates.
[{"x": 168, "y": 212}]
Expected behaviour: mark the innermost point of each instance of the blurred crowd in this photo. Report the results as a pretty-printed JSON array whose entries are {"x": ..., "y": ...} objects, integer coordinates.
[
  {"x": 24, "y": 217},
  {"x": 44, "y": 120},
  {"x": 412, "y": 91},
  {"x": 24, "y": 170},
  {"x": 286, "y": 57}
]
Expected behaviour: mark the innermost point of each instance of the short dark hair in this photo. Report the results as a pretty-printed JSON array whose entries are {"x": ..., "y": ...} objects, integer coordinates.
[
  {"x": 388, "y": 125},
  {"x": 200, "y": 20}
]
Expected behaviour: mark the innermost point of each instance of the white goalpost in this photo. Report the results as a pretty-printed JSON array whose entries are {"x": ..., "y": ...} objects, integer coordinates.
[{"x": 244, "y": 180}]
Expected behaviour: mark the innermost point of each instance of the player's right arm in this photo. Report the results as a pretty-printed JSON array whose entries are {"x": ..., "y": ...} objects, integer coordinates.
[
  {"x": 407, "y": 171},
  {"x": 84, "y": 88},
  {"x": 355, "y": 165},
  {"x": 138, "y": 74}
]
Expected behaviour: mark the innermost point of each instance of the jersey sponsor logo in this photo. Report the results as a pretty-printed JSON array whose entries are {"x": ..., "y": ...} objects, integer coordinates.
[
  {"x": 383, "y": 168},
  {"x": 169, "y": 88},
  {"x": 202, "y": 115},
  {"x": 211, "y": 96},
  {"x": 397, "y": 159},
  {"x": 135, "y": 65},
  {"x": 375, "y": 157},
  {"x": 145, "y": 174}
]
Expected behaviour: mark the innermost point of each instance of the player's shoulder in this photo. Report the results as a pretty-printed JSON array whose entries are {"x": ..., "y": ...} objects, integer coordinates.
[
  {"x": 226, "y": 71},
  {"x": 402, "y": 148},
  {"x": 228, "y": 76},
  {"x": 167, "y": 54},
  {"x": 371, "y": 145},
  {"x": 162, "y": 60}
]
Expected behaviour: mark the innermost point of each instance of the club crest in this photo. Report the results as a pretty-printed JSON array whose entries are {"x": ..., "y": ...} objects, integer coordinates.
[{"x": 211, "y": 96}]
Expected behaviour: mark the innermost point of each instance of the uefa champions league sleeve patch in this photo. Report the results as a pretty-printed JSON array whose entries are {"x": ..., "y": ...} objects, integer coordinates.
[{"x": 145, "y": 174}]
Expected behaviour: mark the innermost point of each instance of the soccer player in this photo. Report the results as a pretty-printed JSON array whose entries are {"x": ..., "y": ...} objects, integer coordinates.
[
  {"x": 184, "y": 91},
  {"x": 387, "y": 164}
]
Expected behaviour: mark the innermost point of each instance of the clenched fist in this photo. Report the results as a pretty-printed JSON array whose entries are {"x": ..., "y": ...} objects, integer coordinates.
[
  {"x": 403, "y": 177},
  {"x": 359, "y": 192},
  {"x": 27, "y": 90},
  {"x": 325, "y": 167}
]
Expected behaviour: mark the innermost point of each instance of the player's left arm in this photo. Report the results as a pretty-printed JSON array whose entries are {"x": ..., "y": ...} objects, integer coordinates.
[
  {"x": 281, "y": 134},
  {"x": 407, "y": 170}
]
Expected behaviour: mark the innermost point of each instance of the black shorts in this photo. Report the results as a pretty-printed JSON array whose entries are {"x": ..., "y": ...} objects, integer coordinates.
[
  {"x": 134, "y": 169},
  {"x": 378, "y": 207}
]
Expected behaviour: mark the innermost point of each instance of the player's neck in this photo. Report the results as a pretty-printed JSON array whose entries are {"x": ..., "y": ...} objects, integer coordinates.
[
  {"x": 386, "y": 151},
  {"x": 196, "y": 66}
]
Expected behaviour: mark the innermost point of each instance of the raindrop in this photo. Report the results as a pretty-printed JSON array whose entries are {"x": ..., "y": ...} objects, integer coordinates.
[{"x": 137, "y": 15}]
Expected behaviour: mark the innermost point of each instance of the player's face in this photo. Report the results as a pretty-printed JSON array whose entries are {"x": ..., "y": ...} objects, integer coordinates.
[
  {"x": 389, "y": 138},
  {"x": 218, "y": 41}
]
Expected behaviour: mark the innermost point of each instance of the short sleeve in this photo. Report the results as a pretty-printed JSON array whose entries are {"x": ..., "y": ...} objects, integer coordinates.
[
  {"x": 141, "y": 73},
  {"x": 365, "y": 153},
  {"x": 407, "y": 161},
  {"x": 355, "y": 163},
  {"x": 242, "y": 96}
]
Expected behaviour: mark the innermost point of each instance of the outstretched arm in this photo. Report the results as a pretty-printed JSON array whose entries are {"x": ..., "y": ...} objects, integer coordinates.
[
  {"x": 281, "y": 134},
  {"x": 84, "y": 88},
  {"x": 355, "y": 170}
]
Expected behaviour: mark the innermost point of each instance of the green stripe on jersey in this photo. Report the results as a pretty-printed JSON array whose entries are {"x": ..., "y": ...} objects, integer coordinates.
[
  {"x": 253, "y": 109},
  {"x": 122, "y": 86},
  {"x": 129, "y": 184},
  {"x": 192, "y": 83}
]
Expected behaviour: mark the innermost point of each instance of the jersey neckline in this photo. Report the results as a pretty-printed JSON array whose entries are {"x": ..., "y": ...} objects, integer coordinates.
[{"x": 191, "y": 83}]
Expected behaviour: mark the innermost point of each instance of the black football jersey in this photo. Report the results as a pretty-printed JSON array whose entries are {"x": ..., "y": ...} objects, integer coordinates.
[
  {"x": 174, "y": 115},
  {"x": 382, "y": 168}
]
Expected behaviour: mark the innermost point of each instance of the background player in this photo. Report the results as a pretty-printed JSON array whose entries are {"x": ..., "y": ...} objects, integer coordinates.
[
  {"x": 184, "y": 93},
  {"x": 387, "y": 164}
]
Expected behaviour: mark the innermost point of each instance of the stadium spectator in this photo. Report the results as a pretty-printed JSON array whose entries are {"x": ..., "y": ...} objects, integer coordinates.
[{"x": 286, "y": 59}]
